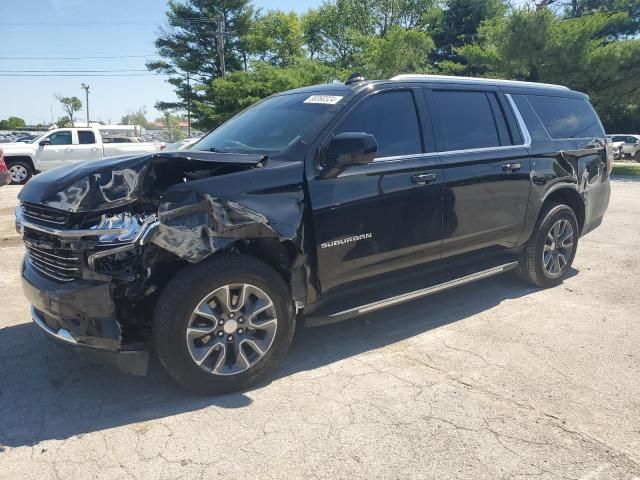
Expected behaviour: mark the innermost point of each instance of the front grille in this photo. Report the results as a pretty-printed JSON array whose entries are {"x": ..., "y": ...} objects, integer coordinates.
[
  {"x": 59, "y": 264},
  {"x": 45, "y": 214}
]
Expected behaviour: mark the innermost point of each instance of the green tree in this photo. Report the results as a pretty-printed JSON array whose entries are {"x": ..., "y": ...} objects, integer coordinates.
[
  {"x": 276, "y": 37},
  {"x": 400, "y": 51},
  {"x": 71, "y": 105},
  {"x": 172, "y": 124},
  {"x": 455, "y": 25},
  {"x": 138, "y": 117},
  {"x": 64, "y": 122},
  {"x": 12, "y": 123},
  {"x": 191, "y": 45},
  {"x": 536, "y": 45}
]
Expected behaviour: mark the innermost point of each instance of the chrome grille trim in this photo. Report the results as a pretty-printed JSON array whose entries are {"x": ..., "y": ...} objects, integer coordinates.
[
  {"x": 44, "y": 214},
  {"x": 64, "y": 269}
]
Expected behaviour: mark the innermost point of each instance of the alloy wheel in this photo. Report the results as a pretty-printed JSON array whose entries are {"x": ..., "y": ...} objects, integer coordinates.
[
  {"x": 231, "y": 329},
  {"x": 558, "y": 248},
  {"x": 18, "y": 173}
]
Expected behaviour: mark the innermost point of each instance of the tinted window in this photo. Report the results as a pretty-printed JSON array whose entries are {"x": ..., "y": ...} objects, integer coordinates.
[
  {"x": 391, "y": 118},
  {"x": 618, "y": 139},
  {"x": 566, "y": 117},
  {"x": 60, "y": 138},
  {"x": 86, "y": 137},
  {"x": 466, "y": 120},
  {"x": 274, "y": 124}
]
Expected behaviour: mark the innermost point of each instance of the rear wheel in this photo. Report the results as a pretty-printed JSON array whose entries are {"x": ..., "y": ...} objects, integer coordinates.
[
  {"x": 223, "y": 325},
  {"x": 548, "y": 256},
  {"x": 637, "y": 156},
  {"x": 19, "y": 171}
]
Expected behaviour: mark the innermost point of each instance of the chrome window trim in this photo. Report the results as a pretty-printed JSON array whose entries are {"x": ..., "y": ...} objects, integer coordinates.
[{"x": 526, "y": 136}]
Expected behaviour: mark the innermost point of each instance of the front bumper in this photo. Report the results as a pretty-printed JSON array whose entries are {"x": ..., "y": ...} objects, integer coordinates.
[
  {"x": 81, "y": 315},
  {"x": 133, "y": 362}
]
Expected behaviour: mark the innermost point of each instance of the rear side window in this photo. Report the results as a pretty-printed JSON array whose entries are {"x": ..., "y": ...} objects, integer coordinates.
[
  {"x": 565, "y": 117},
  {"x": 390, "y": 117},
  {"x": 86, "y": 137},
  {"x": 466, "y": 120}
]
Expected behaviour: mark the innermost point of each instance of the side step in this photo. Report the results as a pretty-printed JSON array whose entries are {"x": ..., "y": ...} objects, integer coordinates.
[{"x": 316, "y": 321}]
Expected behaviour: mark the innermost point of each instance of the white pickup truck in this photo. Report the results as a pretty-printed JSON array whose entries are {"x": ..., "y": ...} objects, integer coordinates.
[{"x": 62, "y": 146}]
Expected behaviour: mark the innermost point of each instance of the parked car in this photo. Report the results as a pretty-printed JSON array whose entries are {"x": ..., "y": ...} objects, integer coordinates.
[
  {"x": 64, "y": 146},
  {"x": 311, "y": 207},
  {"x": 5, "y": 178},
  {"x": 628, "y": 145}
]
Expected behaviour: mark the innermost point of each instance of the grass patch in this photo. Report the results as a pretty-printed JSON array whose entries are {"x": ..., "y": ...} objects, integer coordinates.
[{"x": 628, "y": 169}]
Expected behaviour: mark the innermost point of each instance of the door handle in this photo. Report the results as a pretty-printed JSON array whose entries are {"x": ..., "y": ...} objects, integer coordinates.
[
  {"x": 511, "y": 167},
  {"x": 424, "y": 178},
  {"x": 68, "y": 150}
]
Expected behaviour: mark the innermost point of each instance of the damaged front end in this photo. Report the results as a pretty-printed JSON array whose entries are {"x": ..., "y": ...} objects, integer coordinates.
[{"x": 103, "y": 238}]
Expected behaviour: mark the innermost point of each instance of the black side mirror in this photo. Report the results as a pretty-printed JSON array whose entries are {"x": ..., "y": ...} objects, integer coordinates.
[
  {"x": 44, "y": 142},
  {"x": 349, "y": 148}
]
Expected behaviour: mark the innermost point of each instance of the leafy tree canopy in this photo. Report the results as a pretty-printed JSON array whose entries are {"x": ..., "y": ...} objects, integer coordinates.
[
  {"x": 12, "y": 123},
  {"x": 589, "y": 45}
]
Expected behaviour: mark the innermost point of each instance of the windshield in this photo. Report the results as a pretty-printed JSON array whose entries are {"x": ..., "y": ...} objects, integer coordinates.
[{"x": 273, "y": 125}]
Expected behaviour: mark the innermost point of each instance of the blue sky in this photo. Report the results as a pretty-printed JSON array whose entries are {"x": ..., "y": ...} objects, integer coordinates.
[{"x": 77, "y": 28}]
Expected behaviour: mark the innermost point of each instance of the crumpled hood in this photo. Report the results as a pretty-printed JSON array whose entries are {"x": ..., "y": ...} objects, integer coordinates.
[{"x": 113, "y": 182}]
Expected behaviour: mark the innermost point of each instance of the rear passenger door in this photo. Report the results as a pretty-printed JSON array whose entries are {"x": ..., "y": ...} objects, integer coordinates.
[
  {"x": 377, "y": 218},
  {"x": 485, "y": 168},
  {"x": 87, "y": 147}
]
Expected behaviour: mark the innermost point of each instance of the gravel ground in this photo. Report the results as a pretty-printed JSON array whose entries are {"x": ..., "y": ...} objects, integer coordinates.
[{"x": 489, "y": 381}]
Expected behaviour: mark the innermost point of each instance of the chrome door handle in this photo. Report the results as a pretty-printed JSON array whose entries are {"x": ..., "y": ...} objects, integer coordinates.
[
  {"x": 424, "y": 178},
  {"x": 511, "y": 167}
]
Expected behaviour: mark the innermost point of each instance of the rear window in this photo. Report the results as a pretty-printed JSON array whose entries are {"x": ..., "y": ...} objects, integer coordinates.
[
  {"x": 566, "y": 117},
  {"x": 466, "y": 120}
]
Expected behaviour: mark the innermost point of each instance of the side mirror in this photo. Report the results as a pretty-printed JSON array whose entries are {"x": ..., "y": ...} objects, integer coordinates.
[
  {"x": 45, "y": 141},
  {"x": 349, "y": 148}
]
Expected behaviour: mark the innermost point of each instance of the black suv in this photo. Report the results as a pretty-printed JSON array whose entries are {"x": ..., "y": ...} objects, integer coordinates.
[{"x": 313, "y": 206}]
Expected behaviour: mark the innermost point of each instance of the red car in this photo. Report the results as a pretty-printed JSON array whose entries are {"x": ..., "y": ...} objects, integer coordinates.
[{"x": 5, "y": 178}]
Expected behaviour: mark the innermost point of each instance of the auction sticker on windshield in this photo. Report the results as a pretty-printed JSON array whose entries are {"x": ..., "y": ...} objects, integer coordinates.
[{"x": 324, "y": 99}]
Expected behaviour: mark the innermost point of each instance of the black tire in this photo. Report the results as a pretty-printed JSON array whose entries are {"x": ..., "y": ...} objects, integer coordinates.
[
  {"x": 531, "y": 268},
  {"x": 181, "y": 296},
  {"x": 637, "y": 156},
  {"x": 22, "y": 167}
]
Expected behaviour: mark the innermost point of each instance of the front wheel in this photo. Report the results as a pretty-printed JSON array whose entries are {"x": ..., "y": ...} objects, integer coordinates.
[
  {"x": 637, "y": 156},
  {"x": 224, "y": 324},
  {"x": 547, "y": 257},
  {"x": 20, "y": 172}
]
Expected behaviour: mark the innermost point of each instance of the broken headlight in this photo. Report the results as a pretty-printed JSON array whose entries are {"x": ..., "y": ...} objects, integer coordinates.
[{"x": 124, "y": 228}]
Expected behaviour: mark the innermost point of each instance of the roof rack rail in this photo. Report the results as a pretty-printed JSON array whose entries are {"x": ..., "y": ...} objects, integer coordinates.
[
  {"x": 355, "y": 78},
  {"x": 481, "y": 81}
]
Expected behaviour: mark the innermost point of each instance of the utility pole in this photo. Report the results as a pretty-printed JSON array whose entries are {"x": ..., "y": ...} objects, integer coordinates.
[
  {"x": 221, "y": 34},
  {"x": 86, "y": 89},
  {"x": 188, "y": 106}
]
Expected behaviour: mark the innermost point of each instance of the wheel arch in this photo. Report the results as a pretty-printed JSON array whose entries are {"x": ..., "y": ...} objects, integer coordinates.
[
  {"x": 10, "y": 159},
  {"x": 571, "y": 198},
  {"x": 281, "y": 255}
]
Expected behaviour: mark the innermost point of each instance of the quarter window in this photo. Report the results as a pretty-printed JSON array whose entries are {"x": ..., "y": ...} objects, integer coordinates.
[
  {"x": 60, "y": 138},
  {"x": 466, "y": 120},
  {"x": 86, "y": 137},
  {"x": 565, "y": 117},
  {"x": 391, "y": 117}
]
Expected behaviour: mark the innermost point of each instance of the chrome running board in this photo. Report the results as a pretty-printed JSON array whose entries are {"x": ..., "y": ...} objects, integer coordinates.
[{"x": 409, "y": 296}]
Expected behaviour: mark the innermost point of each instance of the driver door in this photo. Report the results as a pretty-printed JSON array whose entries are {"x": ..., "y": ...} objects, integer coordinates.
[
  {"x": 57, "y": 152},
  {"x": 387, "y": 215}
]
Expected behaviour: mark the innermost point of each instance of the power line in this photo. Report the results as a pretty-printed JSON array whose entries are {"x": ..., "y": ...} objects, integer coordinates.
[
  {"x": 80, "y": 74},
  {"x": 79, "y": 57},
  {"x": 74, "y": 71}
]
